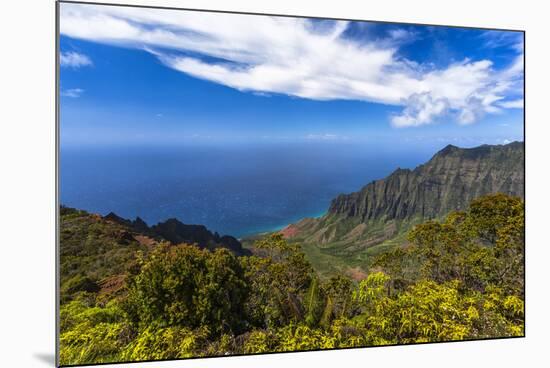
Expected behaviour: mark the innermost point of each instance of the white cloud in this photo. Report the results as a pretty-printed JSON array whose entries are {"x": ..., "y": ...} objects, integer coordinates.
[
  {"x": 72, "y": 92},
  {"x": 512, "y": 104},
  {"x": 421, "y": 108},
  {"x": 300, "y": 58},
  {"x": 503, "y": 39},
  {"x": 74, "y": 59}
]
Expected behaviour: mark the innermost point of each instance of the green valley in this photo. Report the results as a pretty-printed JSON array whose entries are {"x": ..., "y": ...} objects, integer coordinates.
[{"x": 404, "y": 260}]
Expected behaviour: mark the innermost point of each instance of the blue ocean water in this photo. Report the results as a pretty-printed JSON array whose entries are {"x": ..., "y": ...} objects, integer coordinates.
[{"x": 232, "y": 189}]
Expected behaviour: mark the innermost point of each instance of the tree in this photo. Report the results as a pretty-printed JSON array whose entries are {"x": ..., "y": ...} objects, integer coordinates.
[
  {"x": 279, "y": 283},
  {"x": 459, "y": 278},
  {"x": 481, "y": 247},
  {"x": 338, "y": 292},
  {"x": 187, "y": 287}
]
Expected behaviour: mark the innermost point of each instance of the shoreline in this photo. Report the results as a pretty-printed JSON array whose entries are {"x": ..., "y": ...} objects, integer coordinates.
[{"x": 279, "y": 227}]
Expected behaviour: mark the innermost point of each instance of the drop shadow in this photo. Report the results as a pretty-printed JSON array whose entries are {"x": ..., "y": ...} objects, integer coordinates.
[{"x": 45, "y": 358}]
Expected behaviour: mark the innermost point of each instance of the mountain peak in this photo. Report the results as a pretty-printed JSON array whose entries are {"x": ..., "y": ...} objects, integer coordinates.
[
  {"x": 447, "y": 150},
  {"x": 449, "y": 147},
  {"x": 478, "y": 152},
  {"x": 448, "y": 182}
]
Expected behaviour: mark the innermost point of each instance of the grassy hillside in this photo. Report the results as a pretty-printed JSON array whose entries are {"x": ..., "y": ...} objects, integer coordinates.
[
  {"x": 376, "y": 219},
  {"x": 459, "y": 278},
  {"x": 94, "y": 252}
]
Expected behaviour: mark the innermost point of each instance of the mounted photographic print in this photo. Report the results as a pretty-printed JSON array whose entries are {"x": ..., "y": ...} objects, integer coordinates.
[{"x": 234, "y": 184}]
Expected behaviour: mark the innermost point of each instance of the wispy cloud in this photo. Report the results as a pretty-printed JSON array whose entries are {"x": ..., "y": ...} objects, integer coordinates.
[
  {"x": 512, "y": 104},
  {"x": 507, "y": 39},
  {"x": 72, "y": 92},
  {"x": 74, "y": 59},
  {"x": 302, "y": 58},
  {"x": 326, "y": 137}
]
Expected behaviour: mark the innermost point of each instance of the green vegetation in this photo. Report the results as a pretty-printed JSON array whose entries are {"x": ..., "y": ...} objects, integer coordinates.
[
  {"x": 459, "y": 278},
  {"x": 362, "y": 225},
  {"x": 92, "y": 251},
  {"x": 337, "y": 259}
]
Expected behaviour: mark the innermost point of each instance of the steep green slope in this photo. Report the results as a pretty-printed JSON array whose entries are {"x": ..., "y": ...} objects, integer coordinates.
[
  {"x": 377, "y": 217},
  {"x": 460, "y": 278},
  {"x": 98, "y": 252},
  {"x": 93, "y": 252}
]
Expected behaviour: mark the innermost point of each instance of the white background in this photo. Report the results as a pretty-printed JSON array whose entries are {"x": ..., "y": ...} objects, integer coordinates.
[{"x": 27, "y": 154}]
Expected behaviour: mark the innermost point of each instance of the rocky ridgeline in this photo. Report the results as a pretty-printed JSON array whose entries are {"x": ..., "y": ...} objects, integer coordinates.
[
  {"x": 177, "y": 232},
  {"x": 449, "y": 181}
]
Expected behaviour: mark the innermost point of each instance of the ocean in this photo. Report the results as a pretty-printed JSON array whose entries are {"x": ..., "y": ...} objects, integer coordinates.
[{"x": 238, "y": 189}]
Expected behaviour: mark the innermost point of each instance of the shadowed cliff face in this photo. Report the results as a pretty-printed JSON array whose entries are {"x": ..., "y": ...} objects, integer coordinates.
[{"x": 449, "y": 181}]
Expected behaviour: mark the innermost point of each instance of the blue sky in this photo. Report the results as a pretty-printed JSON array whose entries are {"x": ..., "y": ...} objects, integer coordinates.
[{"x": 150, "y": 76}]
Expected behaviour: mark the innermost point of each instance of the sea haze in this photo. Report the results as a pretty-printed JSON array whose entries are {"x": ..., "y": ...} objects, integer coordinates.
[{"x": 232, "y": 189}]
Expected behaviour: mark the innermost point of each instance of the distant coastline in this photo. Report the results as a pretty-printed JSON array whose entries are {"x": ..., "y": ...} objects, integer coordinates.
[
  {"x": 280, "y": 227},
  {"x": 248, "y": 235},
  {"x": 240, "y": 192}
]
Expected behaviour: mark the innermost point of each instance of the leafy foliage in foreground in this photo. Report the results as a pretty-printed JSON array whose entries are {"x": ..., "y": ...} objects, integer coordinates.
[{"x": 457, "y": 279}]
